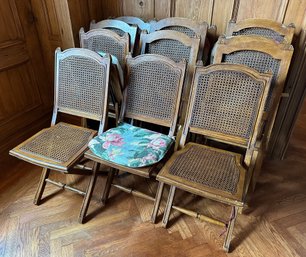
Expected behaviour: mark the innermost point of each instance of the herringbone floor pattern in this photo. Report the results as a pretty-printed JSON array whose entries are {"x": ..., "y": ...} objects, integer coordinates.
[{"x": 275, "y": 224}]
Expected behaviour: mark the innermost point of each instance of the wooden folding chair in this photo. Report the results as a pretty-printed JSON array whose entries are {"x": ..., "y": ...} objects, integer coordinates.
[
  {"x": 277, "y": 31},
  {"x": 153, "y": 92},
  {"x": 105, "y": 41},
  {"x": 132, "y": 20},
  {"x": 81, "y": 89},
  {"x": 262, "y": 54},
  {"x": 226, "y": 105},
  {"x": 176, "y": 46},
  {"x": 119, "y": 27},
  {"x": 189, "y": 27}
]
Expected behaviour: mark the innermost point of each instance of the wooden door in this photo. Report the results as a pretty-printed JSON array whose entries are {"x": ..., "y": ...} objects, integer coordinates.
[{"x": 26, "y": 95}]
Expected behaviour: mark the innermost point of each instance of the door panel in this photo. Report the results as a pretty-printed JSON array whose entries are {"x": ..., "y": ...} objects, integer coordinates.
[{"x": 26, "y": 95}]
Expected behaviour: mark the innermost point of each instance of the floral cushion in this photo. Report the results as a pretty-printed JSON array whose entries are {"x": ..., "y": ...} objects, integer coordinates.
[{"x": 131, "y": 146}]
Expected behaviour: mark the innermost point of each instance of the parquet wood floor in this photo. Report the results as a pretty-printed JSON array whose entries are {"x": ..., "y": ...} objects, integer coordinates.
[{"x": 275, "y": 223}]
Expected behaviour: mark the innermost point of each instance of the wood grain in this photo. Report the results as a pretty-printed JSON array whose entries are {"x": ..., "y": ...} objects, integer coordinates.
[
  {"x": 25, "y": 95},
  {"x": 195, "y": 9},
  {"x": 162, "y": 9},
  {"x": 274, "y": 9},
  {"x": 140, "y": 8},
  {"x": 222, "y": 14}
]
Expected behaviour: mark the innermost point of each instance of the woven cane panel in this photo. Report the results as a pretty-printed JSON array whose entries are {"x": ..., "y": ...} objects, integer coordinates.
[
  {"x": 265, "y": 32},
  {"x": 59, "y": 143},
  {"x": 226, "y": 102},
  {"x": 108, "y": 45},
  {"x": 81, "y": 85},
  {"x": 259, "y": 61},
  {"x": 170, "y": 48},
  {"x": 187, "y": 31},
  {"x": 152, "y": 90},
  {"x": 208, "y": 167}
]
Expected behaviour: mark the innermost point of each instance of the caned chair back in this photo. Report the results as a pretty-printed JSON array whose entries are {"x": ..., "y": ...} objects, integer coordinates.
[
  {"x": 153, "y": 92},
  {"x": 189, "y": 27},
  {"x": 259, "y": 53},
  {"x": 262, "y": 27},
  {"x": 176, "y": 46},
  {"x": 81, "y": 84},
  {"x": 119, "y": 27},
  {"x": 227, "y": 103},
  {"x": 132, "y": 20},
  {"x": 107, "y": 41}
]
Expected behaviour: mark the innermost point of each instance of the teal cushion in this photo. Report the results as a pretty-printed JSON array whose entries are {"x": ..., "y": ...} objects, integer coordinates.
[{"x": 131, "y": 146}]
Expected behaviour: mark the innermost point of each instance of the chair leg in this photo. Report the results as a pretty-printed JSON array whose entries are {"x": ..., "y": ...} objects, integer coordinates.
[
  {"x": 168, "y": 206},
  {"x": 230, "y": 228},
  {"x": 41, "y": 186},
  {"x": 158, "y": 197},
  {"x": 108, "y": 184},
  {"x": 88, "y": 193}
]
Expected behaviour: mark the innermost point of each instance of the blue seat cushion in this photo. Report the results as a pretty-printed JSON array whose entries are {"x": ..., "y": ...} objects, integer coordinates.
[{"x": 131, "y": 146}]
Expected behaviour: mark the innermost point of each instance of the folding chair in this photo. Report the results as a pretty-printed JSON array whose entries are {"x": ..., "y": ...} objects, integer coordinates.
[
  {"x": 153, "y": 92},
  {"x": 119, "y": 27},
  {"x": 105, "y": 41},
  {"x": 262, "y": 27},
  {"x": 226, "y": 104},
  {"x": 261, "y": 54},
  {"x": 176, "y": 46},
  {"x": 81, "y": 89},
  {"x": 189, "y": 27}
]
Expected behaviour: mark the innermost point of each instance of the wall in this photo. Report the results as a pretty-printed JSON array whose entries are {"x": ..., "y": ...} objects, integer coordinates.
[{"x": 215, "y": 12}]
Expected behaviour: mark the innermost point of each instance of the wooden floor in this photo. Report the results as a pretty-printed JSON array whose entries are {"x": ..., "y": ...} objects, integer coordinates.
[{"x": 275, "y": 224}]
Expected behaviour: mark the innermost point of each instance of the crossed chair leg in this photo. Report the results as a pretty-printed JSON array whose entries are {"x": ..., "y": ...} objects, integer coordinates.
[
  {"x": 229, "y": 226},
  {"x": 108, "y": 184},
  {"x": 87, "y": 195}
]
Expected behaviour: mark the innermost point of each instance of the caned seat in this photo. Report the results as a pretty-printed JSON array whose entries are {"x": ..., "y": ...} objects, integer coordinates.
[
  {"x": 210, "y": 169},
  {"x": 271, "y": 29},
  {"x": 120, "y": 28},
  {"x": 226, "y": 105},
  {"x": 57, "y": 147},
  {"x": 81, "y": 87},
  {"x": 152, "y": 95}
]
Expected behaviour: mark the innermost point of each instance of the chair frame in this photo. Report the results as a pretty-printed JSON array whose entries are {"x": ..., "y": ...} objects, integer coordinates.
[
  {"x": 200, "y": 29},
  {"x": 117, "y": 24},
  {"x": 69, "y": 166},
  {"x": 145, "y": 172},
  {"x": 132, "y": 20},
  {"x": 249, "y": 145},
  {"x": 287, "y": 31},
  {"x": 279, "y": 51},
  {"x": 193, "y": 43}
]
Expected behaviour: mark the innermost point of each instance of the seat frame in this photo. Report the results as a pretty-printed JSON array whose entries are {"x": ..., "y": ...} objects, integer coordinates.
[
  {"x": 71, "y": 166},
  {"x": 248, "y": 161}
]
